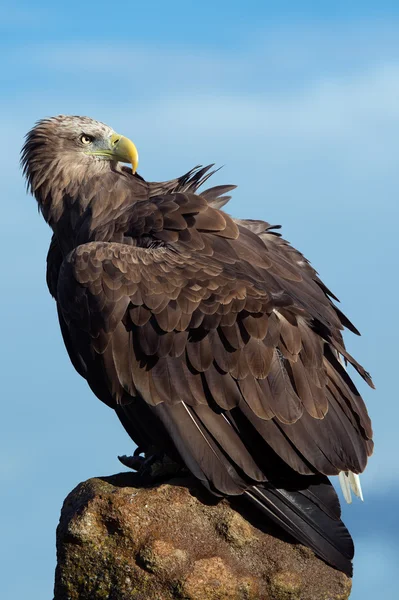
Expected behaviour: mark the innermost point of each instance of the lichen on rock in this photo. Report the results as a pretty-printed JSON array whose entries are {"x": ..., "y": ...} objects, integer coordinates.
[{"x": 119, "y": 541}]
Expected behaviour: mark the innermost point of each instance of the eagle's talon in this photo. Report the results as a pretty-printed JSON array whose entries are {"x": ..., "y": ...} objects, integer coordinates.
[
  {"x": 134, "y": 462},
  {"x": 151, "y": 467}
]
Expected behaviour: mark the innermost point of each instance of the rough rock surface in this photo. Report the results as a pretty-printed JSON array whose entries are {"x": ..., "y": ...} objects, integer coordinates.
[{"x": 120, "y": 542}]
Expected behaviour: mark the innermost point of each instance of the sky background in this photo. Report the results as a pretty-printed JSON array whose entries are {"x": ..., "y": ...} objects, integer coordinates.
[{"x": 300, "y": 102}]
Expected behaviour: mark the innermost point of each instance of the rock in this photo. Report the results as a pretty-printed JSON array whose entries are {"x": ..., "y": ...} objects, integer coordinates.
[{"x": 118, "y": 541}]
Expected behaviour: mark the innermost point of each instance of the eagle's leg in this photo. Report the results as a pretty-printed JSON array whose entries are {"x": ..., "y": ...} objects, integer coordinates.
[{"x": 152, "y": 467}]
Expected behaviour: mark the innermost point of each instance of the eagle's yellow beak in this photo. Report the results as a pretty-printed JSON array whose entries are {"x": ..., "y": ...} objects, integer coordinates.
[{"x": 124, "y": 150}]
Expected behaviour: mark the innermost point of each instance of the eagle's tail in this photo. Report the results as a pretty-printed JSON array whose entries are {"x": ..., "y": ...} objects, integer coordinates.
[{"x": 311, "y": 516}]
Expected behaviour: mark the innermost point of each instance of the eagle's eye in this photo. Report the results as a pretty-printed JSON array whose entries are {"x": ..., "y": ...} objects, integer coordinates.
[{"x": 86, "y": 139}]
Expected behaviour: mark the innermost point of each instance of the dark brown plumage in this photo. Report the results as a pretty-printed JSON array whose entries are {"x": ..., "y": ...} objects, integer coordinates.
[{"x": 212, "y": 338}]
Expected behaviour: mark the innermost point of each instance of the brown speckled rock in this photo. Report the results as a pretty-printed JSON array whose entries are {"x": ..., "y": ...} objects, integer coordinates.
[{"x": 120, "y": 542}]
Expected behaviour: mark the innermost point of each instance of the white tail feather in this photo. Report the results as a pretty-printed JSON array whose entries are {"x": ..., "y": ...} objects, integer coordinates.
[
  {"x": 345, "y": 487},
  {"x": 354, "y": 481},
  {"x": 350, "y": 482}
]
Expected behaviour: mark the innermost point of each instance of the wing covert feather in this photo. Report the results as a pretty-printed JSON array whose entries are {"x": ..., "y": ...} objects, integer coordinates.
[{"x": 235, "y": 324}]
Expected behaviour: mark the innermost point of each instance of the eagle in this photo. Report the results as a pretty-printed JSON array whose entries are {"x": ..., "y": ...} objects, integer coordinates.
[{"x": 212, "y": 338}]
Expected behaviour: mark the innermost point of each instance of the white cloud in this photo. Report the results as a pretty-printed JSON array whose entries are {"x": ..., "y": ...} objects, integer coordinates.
[
  {"x": 328, "y": 111},
  {"x": 285, "y": 50}
]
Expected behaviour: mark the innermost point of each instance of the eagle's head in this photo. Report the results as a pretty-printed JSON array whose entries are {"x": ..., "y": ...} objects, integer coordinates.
[{"x": 65, "y": 147}]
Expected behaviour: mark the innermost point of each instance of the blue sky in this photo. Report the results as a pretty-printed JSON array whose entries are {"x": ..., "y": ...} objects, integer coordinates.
[{"x": 299, "y": 101}]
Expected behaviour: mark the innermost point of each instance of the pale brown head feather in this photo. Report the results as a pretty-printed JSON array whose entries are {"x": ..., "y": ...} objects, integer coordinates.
[{"x": 54, "y": 160}]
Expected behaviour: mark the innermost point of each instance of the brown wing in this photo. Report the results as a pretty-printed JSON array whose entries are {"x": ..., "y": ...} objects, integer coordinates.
[{"x": 230, "y": 341}]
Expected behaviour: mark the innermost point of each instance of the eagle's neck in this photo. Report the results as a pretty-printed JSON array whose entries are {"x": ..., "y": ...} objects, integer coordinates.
[
  {"x": 60, "y": 188},
  {"x": 79, "y": 205},
  {"x": 68, "y": 226}
]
